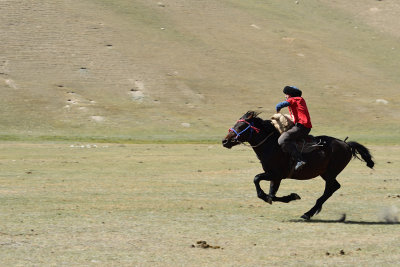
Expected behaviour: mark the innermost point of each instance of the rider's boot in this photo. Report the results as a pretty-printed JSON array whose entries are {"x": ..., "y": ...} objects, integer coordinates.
[
  {"x": 299, "y": 165},
  {"x": 300, "y": 162}
]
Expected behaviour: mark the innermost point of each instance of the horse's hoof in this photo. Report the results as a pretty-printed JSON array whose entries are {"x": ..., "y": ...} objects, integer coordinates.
[
  {"x": 266, "y": 198},
  {"x": 295, "y": 196},
  {"x": 306, "y": 217}
]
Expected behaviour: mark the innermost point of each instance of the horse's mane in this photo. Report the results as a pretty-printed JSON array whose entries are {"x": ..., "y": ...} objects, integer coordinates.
[
  {"x": 251, "y": 114},
  {"x": 263, "y": 124}
]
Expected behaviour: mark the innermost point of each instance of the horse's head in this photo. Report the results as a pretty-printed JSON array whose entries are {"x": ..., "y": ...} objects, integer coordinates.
[{"x": 242, "y": 131}]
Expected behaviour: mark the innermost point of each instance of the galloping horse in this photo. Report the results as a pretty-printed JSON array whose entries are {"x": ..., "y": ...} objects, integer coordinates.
[{"x": 327, "y": 160}]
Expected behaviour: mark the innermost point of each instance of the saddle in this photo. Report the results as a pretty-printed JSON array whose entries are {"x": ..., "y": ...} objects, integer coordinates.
[
  {"x": 309, "y": 144},
  {"x": 305, "y": 145}
]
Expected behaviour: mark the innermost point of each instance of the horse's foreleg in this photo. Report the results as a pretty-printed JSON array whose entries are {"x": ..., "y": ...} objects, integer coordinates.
[
  {"x": 288, "y": 198},
  {"x": 330, "y": 187},
  {"x": 274, "y": 186},
  {"x": 273, "y": 189},
  {"x": 260, "y": 193}
]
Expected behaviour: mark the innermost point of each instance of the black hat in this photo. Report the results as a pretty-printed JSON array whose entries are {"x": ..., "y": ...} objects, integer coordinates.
[{"x": 293, "y": 91}]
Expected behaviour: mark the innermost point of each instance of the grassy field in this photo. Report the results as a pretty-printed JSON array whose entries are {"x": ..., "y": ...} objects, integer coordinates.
[
  {"x": 149, "y": 205},
  {"x": 112, "y": 110}
]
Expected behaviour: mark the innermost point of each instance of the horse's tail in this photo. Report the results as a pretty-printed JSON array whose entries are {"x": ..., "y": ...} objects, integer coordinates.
[{"x": 361, "y": 150}]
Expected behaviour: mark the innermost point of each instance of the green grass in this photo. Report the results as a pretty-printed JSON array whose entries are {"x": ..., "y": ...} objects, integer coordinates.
[
  {"x": 361, "y": 138},
  {"x": 107, "y": 139}
]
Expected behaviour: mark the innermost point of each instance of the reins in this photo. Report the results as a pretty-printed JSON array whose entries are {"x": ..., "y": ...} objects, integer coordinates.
[{"x": 259, "y": 144}]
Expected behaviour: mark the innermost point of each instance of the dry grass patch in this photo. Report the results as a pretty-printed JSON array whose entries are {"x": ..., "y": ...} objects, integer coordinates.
[{"x": 149, "y": 205}]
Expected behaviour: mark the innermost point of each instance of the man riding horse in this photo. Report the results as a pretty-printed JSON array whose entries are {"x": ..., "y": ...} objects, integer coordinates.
[
  {"x": 327, "y": 160},
  {"x": 299, "y": 112}
]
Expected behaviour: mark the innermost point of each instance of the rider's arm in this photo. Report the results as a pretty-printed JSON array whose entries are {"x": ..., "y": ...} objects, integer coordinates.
[{"x": 282, "y": 105}]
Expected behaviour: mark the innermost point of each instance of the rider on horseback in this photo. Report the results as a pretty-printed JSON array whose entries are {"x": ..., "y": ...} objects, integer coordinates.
[{"x": 301, "y": 118}]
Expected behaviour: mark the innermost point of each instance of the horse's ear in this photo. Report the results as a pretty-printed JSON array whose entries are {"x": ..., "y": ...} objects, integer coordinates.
[{"x": 252, "y": 114}]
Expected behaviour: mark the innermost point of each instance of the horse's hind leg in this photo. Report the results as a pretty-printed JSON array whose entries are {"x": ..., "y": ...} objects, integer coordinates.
[
  {"x": 331, "y": 185},
  {"x": 340, "y": 156}
]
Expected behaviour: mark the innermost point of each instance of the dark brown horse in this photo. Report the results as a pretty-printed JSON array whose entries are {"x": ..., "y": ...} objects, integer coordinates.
[{"x": 327, "y": 160}]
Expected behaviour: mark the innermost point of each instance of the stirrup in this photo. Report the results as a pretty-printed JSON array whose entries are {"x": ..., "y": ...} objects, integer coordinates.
[{"x": 300, "y": 164}]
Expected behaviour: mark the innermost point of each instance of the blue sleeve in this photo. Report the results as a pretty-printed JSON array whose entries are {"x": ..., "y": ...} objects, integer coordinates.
[{"x": 282, "y": 105}]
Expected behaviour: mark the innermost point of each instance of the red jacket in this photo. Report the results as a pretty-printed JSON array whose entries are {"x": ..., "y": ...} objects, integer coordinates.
[{"x": 299, "y": 111}]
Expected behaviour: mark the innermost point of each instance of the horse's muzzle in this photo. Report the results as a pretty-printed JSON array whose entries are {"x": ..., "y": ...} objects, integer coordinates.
[{"x": 228, "y": 143}]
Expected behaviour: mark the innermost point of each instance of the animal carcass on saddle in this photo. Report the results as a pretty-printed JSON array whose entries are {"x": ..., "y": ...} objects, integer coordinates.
[{"x": 283, "y": 123}]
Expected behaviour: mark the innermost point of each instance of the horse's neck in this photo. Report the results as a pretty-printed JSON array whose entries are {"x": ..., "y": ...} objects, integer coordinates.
[{"x": 264, "y": 150}]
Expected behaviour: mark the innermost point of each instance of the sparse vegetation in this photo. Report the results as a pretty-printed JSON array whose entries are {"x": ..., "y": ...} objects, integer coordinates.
[
  {"x": 111, "y": 117},
  {"x": 139, "y": 69},
  {"x": 147, "y": 205}
]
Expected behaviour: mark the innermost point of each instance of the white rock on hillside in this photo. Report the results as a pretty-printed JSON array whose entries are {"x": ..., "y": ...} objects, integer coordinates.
[{"x": 382, "y": 101}]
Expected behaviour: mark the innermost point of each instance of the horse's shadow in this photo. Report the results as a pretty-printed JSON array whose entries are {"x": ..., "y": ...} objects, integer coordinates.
[{"x": 345, "y": 222}]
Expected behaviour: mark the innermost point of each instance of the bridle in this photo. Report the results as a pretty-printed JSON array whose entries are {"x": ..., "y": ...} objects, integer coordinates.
[
  {"x": 250, "y": 126},
  {"x": 252, "y": 129}
]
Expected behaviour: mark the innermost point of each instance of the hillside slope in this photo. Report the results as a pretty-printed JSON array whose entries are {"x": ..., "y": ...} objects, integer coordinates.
[{"x": 186, "y": 70}]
